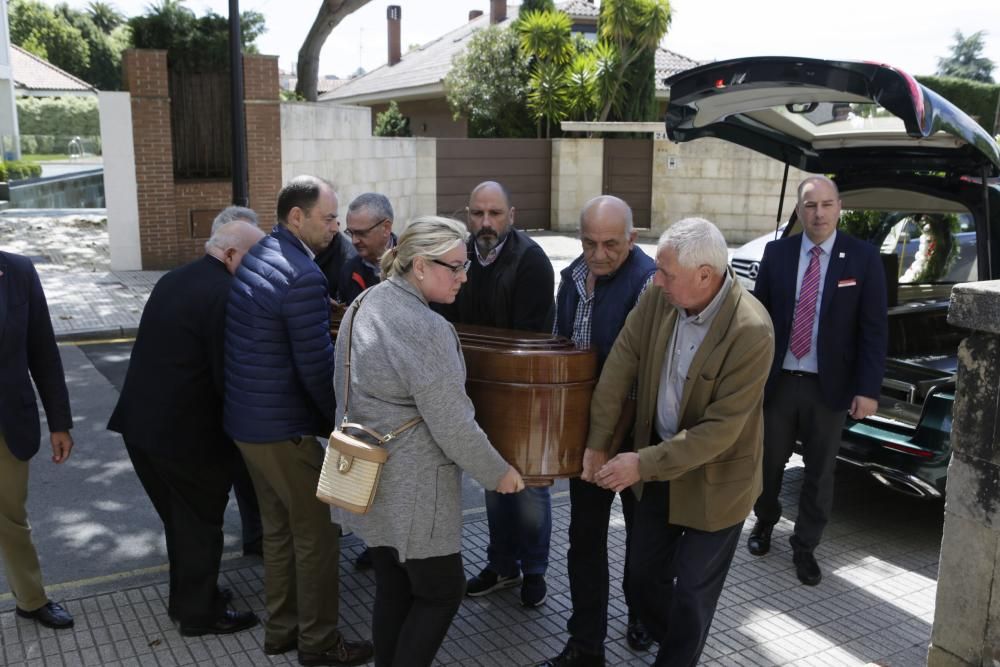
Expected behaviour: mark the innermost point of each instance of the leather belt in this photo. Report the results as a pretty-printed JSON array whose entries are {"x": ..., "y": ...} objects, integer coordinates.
[{"x": 799, "y": 374}]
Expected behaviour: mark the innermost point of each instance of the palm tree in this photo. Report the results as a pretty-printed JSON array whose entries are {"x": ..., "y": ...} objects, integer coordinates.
[
  {"x": 105, "y": 16},
  {"x": 631, "y": 27}
]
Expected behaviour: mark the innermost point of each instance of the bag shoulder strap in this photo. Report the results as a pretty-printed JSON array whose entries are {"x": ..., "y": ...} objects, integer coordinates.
[{"x": 356, "y": 305}]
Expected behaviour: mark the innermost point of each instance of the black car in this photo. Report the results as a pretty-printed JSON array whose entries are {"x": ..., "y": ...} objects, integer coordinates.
[{"x": 914, "y": 173}]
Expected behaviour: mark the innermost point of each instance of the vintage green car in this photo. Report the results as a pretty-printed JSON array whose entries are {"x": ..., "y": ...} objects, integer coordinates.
[{"x": 917, "y": 178}]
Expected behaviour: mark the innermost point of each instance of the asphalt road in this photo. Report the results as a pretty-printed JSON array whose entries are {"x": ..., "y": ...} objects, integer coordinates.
[{"x": 92, "y": 523}]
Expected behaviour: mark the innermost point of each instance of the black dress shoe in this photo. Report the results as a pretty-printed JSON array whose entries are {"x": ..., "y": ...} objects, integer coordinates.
[
  {"x": 638, "y": 637},
  {"x": 364, "y": 560},
  {"x": 759, "y": 542},
  {"x": 227, "y": 623},
  {"x": 50, "y": 614},
  {"x": 574, "y": 657},
  {"x": 344, "y": 652},
  {"x": 806, "y": 567}
]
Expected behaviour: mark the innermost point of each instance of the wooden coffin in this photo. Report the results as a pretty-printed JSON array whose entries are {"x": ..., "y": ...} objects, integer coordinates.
[{"x": 532, "y": 397}]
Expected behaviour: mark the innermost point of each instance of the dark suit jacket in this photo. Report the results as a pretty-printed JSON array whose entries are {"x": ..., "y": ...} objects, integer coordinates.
[
  {"x": 331, "y": 261},
  {"x": 853, "y": 327},
  {"x": 172, "y": 397},
  {"x": 28, "y": 345}
]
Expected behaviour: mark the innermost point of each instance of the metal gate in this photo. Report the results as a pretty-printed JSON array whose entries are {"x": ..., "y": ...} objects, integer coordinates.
[
  {"x": 628, "y": 174},
  {"x": 523, "y": 166}
]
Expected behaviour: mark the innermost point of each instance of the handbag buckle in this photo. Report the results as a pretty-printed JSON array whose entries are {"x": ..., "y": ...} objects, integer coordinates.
[{"x": 344, "y": 463}]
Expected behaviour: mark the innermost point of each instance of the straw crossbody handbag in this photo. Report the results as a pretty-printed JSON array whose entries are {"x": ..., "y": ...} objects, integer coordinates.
[{"x": 353, "y": 463}]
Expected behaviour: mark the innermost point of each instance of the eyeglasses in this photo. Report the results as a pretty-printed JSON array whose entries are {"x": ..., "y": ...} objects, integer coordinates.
[
  {"x": 464, "y": 266},
  {"x": 360, "y": 233}
]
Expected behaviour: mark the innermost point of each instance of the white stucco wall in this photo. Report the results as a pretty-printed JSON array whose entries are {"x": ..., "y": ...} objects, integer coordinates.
[
  {"x": 335, "y": 142},
  {"x": 120, "y": 188}
]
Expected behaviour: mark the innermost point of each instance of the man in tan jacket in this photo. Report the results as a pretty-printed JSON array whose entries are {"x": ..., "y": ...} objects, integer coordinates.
[{"x": 699, "y": 349}]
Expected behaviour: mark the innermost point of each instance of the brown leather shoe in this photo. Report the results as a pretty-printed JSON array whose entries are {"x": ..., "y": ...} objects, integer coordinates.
[
  {"x": 278, "y": 649},
  {"x": 344, "y": 652}
]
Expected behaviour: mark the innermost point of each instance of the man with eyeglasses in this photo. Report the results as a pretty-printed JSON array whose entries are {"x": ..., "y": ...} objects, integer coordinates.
[
  {"x": 369, "y": 226},
  {"x": 510, "y": 286}
]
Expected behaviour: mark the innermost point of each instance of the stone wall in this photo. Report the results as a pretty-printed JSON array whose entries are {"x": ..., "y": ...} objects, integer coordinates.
[
  {"x": 335, "y": 142},
  {"x": 967, "y": 611},
  {"x": 736, "y": 188},
  {"x": 577, "y": 171}
]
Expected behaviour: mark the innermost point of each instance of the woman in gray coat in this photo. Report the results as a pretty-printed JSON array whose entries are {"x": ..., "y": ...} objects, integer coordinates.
[{"x": 407, "y": 362}]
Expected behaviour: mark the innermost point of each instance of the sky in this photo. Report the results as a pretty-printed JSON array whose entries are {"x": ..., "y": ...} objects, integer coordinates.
[{"x": 907, "y": 34}]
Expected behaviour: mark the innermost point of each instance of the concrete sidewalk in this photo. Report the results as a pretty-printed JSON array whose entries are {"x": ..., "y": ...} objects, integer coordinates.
[{"x": 875, "y": 604}]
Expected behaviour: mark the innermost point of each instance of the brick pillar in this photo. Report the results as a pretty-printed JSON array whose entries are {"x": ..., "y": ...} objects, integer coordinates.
[
  {"x": 146, "y": 80},
  {"x": 967, "y": 612},
  {"x": 263, "y": 121}
]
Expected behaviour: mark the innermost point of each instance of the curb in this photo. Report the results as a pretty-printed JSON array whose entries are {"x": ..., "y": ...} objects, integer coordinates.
[{"x": 102, "y": 334}]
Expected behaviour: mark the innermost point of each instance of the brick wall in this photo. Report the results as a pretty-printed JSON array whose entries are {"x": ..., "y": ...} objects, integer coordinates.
[{"x": 166, "y": 233}]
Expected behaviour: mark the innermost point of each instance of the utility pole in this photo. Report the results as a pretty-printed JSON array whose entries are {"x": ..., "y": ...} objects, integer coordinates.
[{"x": 241, "y": 196}]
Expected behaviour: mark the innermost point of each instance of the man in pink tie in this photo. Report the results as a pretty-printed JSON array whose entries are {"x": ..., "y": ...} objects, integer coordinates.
[{"x": 825, "y": 292}]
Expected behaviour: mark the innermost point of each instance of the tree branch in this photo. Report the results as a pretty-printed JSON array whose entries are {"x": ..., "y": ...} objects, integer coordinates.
[{"x": 331, "y": 13}]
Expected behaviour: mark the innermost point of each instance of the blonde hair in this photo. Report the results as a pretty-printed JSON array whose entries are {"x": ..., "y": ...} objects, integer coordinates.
[{"x": 427, "y": 236}]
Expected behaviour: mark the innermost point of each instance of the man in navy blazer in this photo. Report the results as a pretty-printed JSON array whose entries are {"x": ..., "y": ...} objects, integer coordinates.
[
  {"x": 27, "y": 352},
  {"x": 170, "y": 416},
  {"x": 825, "y": 292}
]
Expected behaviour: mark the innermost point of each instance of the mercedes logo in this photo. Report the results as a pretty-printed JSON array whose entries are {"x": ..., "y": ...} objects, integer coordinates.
[{"x": 754, "y": 270}]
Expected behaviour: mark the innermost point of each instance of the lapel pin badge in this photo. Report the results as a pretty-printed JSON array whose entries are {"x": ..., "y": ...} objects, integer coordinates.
[{"x": 843, "y": 255}]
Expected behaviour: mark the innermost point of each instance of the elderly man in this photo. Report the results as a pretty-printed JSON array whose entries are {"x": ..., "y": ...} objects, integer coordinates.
[
  {"x": 826, "y": 293},
  {"x": 510, "y": 285},
  {"x": 596, "y": 293},
  {"x": 279, "y": 397},
  {"x": 700, "y": 349},
  {"x": 28, "y": 353},
  {"x": 369, "y": 226},
  {"x": 170, "y": 415}
]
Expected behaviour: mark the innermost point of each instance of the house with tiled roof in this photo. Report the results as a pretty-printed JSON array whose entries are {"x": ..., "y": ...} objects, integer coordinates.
[
  {"x": 36, "y": 77},
  {"x": 415, "y": 80}
]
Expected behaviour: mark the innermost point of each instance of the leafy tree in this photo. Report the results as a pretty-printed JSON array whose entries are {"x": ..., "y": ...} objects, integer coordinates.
[
  {"x": 392, "y": 123},
  {"x": 488, "y": 84},
  {"x": 633, "y": 28},
  {"x": 105, "y": 16},
  {"x": 37, "y": 28},
  {"x": 528, "y": 6},
  {"x": 190, "y": 41},
  {"x": 966, "y": 60},
  {"x": 331, "y": 13},
  {"x": 546, "y": 39},
  {"x": 106, "y": 46}
]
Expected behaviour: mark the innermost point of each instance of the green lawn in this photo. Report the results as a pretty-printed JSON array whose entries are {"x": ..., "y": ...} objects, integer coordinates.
[{"x": 44, "y": 157}]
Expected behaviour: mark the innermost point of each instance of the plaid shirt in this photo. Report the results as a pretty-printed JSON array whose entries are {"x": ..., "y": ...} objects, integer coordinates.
[{"x": 582, "y": 322}]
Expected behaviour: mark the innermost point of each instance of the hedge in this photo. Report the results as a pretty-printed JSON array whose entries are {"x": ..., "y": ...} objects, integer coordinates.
[
  {"x": 979, "y": 100},
  {"x": 15, "y": 170},
  {"x": 33, "y": 144},
  {"x": 58, "y": 116}
]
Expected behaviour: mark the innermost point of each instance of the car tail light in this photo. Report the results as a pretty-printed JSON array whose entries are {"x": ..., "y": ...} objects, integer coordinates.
[{"x": 908, "y": 449}]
